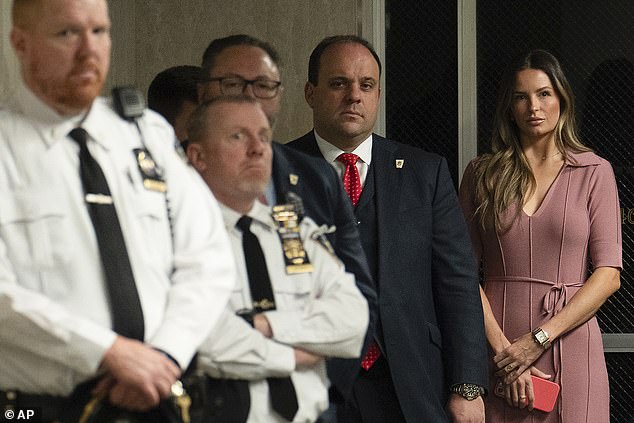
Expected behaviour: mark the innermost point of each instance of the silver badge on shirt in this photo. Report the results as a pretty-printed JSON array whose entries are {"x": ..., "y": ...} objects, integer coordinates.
[
  {"x": 152, "y": 174},
  {"x": 295, "y": 256}
]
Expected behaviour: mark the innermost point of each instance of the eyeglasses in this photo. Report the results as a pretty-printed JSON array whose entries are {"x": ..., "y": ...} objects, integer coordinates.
[{"x": 234, "y": 85}]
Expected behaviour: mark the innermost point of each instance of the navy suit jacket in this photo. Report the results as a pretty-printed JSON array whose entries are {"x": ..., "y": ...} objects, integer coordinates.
[
  {"x": 326, "y": 202},
  {"x": 429, "y": 304}
]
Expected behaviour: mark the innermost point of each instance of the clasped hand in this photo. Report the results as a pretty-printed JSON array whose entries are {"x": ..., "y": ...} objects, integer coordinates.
[
  {"x": 515, "y": 368},
  {"x": 137, "y": 377},
  {"x": 517, "y": 357}
]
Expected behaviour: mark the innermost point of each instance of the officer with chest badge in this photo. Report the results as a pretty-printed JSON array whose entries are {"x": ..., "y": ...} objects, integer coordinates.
[
  {"x": 105, "y": 293},
  {"x": 294, "y": 305}
]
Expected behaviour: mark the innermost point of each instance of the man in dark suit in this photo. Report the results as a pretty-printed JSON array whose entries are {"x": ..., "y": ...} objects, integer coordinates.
[
  {"x": 243, "y": 65},
  {"x": 429, "y": 359}
]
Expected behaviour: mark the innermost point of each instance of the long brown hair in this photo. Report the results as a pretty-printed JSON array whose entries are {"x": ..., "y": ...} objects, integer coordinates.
[{"x": 504, "y": 176}]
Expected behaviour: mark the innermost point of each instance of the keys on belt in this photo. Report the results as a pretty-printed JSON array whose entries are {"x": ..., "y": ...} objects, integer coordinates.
[{"x": 182, "y": 400}]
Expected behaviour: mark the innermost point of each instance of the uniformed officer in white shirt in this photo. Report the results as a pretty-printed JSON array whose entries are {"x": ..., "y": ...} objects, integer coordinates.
[
  {"x": 55, "y": 317},
  {"x": 318, "y": 312}
]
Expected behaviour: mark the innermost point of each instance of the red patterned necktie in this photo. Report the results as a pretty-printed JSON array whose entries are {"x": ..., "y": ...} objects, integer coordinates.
[
  {"x": 351, "y": 179},
  {"x": 371, "y": 355},
  {"x": 352, "y": 185}
]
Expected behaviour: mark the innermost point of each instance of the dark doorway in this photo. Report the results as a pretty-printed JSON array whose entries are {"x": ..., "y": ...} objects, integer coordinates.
[{"x": 421, "y": 76}]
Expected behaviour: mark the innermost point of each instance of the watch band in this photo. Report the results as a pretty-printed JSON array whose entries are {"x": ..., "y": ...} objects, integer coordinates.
[{"x": 468, "y": 391}]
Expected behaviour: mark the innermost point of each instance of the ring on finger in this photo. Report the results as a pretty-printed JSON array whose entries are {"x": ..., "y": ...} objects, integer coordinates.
[{"x": 509, "y": 368}]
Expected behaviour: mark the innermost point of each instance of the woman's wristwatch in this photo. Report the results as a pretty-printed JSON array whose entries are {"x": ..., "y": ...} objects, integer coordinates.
[{"x": 540, "y": 336}]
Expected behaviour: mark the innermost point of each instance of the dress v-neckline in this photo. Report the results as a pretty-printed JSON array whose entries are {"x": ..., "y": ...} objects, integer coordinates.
[{"x": 547, "y": 196}]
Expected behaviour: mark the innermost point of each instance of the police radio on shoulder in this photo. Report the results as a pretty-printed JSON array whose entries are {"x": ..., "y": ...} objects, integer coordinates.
[{"x": 128, "y": 102}]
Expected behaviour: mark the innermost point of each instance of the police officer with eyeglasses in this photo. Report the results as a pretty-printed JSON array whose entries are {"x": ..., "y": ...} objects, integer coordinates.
[{"x": 241, "y": 64}]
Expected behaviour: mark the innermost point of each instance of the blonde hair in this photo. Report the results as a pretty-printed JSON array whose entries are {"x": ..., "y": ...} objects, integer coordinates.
[{"x": 504, "y": 176}]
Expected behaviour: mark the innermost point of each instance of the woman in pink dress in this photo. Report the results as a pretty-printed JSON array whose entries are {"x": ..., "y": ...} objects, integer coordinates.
[{"x": 541, "y": 208}]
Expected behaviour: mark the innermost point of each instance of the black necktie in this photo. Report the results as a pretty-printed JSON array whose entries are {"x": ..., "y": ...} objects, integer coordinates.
[
  {"x": 281, "y": 389},
  {"x": 125, "y": 307}
]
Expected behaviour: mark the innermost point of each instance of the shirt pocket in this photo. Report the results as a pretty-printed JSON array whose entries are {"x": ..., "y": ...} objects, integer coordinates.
[
  {"x": 237, "y": 300},
  {"x": 151, "y": 213},
  {"x": 34, "y": 228},
  {"x": 292, "y": 292}
]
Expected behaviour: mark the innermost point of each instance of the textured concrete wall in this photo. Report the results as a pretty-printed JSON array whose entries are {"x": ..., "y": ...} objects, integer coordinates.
[{"x": 8, "y": 63}]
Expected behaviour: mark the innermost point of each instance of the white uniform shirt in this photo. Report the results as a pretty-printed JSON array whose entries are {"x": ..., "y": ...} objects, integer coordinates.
[
  {"x": 322, "y": 312},
  {"x": 54, "y": 315}
]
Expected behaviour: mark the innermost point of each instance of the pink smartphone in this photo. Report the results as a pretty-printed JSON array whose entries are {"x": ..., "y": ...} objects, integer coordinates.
[{"x": 545, "y": 392}]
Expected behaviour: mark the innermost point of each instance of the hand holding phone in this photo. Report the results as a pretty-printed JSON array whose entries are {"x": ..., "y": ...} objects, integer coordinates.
[{"x": 544, "y": 391}]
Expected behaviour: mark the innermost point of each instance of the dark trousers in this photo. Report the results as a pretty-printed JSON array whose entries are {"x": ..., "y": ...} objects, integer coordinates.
[{"x": 373, "y": 398}]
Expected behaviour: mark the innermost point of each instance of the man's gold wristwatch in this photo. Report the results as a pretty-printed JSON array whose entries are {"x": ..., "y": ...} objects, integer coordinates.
[
  {"x": 468, "y": 391},
  {"x": 540, "y": 336}
]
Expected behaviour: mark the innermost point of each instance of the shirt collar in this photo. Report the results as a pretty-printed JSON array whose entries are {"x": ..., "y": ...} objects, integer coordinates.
[
  {"x": 51, "y": 124},
  {"x": 331, "y": 152},
  {"x": 32, "y": 106},
  {"x": 586, "y": 158},
  {"x": 93, "y": 123},
  {"x": 260, "y": 214}
]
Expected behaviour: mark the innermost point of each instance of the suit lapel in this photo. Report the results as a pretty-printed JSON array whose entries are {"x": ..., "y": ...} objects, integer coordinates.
[
  {"x": 368, "y": 190},
  {"x": 308, "y": 144},
  {"x": 387, "y": 179},
  {"x": 281, "y": 172}
]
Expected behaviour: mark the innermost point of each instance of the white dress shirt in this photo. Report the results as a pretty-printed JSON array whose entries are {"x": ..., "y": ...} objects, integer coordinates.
[
  {"x": 321, "y": 312},
  {"x": 331, "y": 152},
  {"x": 55, "y": 323}
]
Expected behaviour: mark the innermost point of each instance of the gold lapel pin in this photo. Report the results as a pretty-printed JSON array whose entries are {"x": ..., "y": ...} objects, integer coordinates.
[
  {"x": 399, "y": 163},
  {"x": 293, "y": 179}
]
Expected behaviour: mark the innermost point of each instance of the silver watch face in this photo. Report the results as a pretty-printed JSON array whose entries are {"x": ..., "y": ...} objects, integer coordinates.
[
  {"x": 470, "y": 396},
  {"x": 471, "y": 392},
  {"x": 541, "y": 337}
]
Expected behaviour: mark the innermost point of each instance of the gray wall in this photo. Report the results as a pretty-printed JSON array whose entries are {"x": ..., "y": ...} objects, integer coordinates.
[
  {"x": 8, "y": 64},
  {"x": 149, "y": 36}
]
